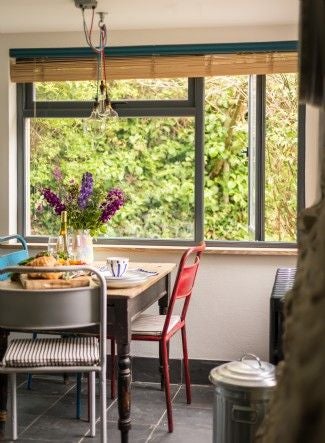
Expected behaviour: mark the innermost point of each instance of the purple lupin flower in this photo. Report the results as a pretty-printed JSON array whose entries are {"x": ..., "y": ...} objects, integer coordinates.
[
  {"x": 53, "y": 200},
  {"x": 114, "y": 200},
  {"x": 86, "y": 190}
]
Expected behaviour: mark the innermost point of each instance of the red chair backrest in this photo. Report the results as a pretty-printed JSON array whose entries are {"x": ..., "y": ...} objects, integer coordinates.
[{"x": 185, "y": 280}]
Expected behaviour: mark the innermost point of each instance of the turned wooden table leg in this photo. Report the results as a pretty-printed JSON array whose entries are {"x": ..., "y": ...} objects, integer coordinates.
[
  {"x": 124, "y": 390},
  {"x": 3, "y": 384}
]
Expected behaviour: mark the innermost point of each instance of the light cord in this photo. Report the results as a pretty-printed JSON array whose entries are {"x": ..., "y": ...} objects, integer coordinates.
[{"x": 87, "y": 33}]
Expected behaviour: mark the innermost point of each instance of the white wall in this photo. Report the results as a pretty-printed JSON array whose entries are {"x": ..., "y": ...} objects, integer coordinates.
[
  {"x": 229, "y": 310},
  {"x": 229, "y": 313}
]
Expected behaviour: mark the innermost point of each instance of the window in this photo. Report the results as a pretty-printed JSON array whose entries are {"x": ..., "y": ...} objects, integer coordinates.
[
  {"x": 151, "y": 159},
  {"x": 226, "y": 163},
  {"x": 281, "y": 156},
  {"x": 213, "y": 158},
  {"x": 143, "y": 89}
]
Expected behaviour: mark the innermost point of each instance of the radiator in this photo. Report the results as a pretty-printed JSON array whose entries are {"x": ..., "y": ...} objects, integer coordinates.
[{"x": 283, "y": 282}]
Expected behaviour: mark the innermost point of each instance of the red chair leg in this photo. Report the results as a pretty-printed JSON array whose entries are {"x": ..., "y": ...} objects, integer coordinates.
[
  {"x": 161, "y": 370},
  {"x": 165, "y": 363},
  {"x": 186, "y": 367},
  {"x": 113, "y": 368}
]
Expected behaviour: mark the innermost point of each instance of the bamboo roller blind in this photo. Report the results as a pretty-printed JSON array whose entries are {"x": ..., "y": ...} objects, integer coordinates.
[{"x": 117, "y": 68}]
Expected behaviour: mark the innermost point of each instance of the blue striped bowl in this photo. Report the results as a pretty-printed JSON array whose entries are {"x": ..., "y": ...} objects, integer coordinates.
[{"x": 117, "y": 265}]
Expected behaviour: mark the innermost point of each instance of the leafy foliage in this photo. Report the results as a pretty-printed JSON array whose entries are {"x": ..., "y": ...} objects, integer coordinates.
[
  {"x": 281, "y": 157},
  {"x": 226, "y": 183},
  {"x": 152, "y": 160}
]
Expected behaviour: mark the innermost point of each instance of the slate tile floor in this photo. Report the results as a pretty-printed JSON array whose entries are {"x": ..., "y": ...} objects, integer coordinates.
[{"x": 46, "y": 414}]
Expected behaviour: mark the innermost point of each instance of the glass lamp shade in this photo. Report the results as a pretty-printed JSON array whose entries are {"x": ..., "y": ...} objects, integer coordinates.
[
  {"x": 95, "y": 113},
  {"x": 106, "y": 110}
]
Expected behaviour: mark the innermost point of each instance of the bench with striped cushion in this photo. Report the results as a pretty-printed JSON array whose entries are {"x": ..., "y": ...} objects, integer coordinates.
[
  {"x": 65, "y": 354},
  {"x": 42, "y": 352}
]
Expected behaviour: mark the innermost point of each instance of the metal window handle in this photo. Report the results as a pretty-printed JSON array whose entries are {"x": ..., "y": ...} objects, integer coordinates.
[{"x": 248, "y": 354}]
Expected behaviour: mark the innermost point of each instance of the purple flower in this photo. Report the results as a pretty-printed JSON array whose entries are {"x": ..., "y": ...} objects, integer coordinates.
[
  {"x": 86, "y": 189},
  {"x": 114, "y": 200},
  {"x": 57, "y": 173},
  {"x": 53, "y": 200}
]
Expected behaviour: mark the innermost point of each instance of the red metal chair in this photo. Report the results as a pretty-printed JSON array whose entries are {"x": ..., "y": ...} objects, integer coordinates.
[{"x": 162, "y": 327}]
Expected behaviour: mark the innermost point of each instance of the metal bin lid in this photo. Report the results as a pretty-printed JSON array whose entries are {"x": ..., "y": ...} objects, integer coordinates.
[{"x": 249, "y": 372}]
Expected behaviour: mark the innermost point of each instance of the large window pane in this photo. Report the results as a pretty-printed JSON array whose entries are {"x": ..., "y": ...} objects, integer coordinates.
[
  {"x": 226, "y": 166},
  {"x": 281, "y": 153},
  {"x": 151, "y": 159},
  {"x": 145, "y": 89}
]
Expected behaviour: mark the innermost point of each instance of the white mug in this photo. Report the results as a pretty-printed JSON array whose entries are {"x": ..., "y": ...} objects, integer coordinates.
[{"x": 117, "y": 265}]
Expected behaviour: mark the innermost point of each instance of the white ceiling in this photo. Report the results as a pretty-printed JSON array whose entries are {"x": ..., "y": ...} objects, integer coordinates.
[{"x": 18, "y": 16}]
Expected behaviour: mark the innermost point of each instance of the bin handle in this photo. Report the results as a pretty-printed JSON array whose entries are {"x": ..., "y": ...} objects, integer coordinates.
[
  {"x": 248, "y": 354},
  {"x": 244, "y": 414}
]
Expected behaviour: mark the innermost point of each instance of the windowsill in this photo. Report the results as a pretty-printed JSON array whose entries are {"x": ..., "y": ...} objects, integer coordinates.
[{"x": 210, "y": 250}]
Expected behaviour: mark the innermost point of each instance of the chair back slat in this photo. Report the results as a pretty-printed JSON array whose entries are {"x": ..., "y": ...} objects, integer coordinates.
[
  {"x": 13, "y": 258},
  {"x": 61, "y": 308},
  {"x": 186, "y": 279},
  {"x": 184, "y": 282}
]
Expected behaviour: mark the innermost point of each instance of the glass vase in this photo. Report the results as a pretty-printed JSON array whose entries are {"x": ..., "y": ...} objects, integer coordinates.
[{"x": 82, "y": 246}]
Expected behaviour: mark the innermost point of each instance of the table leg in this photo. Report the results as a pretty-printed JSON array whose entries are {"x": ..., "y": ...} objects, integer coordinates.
[
  {"x": 124, "y": 390},
  {"x": 3, "y": 384},
  {"x": 163, "y": 301}
]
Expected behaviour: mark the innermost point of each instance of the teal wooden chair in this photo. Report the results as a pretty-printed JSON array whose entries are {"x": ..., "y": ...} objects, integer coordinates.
[{"x": 13, "y": 258}]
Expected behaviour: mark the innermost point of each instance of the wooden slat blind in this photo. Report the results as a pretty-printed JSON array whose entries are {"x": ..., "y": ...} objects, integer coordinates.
[{"x": 42, "y": 70}]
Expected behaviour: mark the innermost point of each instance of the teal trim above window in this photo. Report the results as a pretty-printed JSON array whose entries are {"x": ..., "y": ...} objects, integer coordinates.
[{"x": 132, "y": 51}]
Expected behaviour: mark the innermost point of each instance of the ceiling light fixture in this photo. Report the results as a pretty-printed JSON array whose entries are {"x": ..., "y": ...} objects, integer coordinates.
[{"x": 102, "y": 107}]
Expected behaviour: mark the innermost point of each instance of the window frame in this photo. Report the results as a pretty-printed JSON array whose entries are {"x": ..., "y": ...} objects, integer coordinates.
[{"x": 193, "y": 106}]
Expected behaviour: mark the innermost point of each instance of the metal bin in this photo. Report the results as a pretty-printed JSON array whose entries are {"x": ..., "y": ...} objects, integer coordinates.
[{"x": 242, "y": 393}]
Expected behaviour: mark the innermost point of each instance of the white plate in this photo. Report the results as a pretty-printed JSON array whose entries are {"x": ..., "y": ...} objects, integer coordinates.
[
  {"x": 125, "y": 283},
  {"x": 131, "y": 274},
  {"x": 129, "y": 279}
]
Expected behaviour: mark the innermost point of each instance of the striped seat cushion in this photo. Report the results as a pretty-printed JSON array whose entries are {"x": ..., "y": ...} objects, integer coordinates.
[
  {"x": 72, "y": 351},
  {"x": 147, "y": 324}
]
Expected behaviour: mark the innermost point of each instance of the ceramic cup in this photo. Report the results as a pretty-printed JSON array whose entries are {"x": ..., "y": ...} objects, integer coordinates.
[{"x": 117, "y": 265}]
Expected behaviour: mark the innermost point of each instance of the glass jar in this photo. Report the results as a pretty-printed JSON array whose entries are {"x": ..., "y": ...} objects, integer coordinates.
[{"x": 82, "y": 246}]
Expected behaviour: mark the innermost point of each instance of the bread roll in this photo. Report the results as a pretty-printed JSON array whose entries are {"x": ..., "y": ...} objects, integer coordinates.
[{"x": 46, "y": 261}]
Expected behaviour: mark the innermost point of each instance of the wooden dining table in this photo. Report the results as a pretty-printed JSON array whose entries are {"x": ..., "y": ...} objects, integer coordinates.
[{"x": 123, "y": 306}]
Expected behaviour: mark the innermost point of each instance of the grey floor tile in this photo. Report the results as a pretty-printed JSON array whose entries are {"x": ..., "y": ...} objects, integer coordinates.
[
  {"x": 148, "y": 403},
  {"x": 139, "y": 433},
  {"x": 33, "y": 403},
  {"x": 202, "y": 397},
  {"x": 66, "y": 407},
  {"x": 190, "y": 425},
  {"x": 182, "y": 434},
  {"x": 56, "y": 429},
  {"x": 46, "y": 414},
  {"x": 36, "y": 439},
  {"x": 48, "y": 385}
]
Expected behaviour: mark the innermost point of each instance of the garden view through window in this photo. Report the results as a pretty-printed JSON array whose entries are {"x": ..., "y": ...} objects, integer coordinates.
[{"x": 153, "y": 158}]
